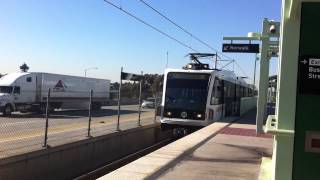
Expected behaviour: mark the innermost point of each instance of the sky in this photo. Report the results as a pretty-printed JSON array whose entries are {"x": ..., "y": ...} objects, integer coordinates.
[{"x": 68, "y": 36}]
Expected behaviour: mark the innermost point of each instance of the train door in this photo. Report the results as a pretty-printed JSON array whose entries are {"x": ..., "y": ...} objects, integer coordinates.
[
  {"x": 236, "y": 103},
  {"x": 234, "y": 99},
  {"x": 215, "y": 105},
  {"x": 228, "y": 98}
]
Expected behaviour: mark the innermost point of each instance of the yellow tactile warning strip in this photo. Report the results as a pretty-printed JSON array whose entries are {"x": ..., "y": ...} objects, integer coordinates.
[{"x": 265, "y": 169}]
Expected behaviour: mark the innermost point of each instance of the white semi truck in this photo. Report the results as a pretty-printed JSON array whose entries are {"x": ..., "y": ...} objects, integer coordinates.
[{"x": 26, "y": 91}]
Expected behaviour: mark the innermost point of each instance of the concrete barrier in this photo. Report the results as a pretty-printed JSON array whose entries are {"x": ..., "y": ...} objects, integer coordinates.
[
  {"x": 247, "y": 103},
  {"x": 72, "y": 160}
]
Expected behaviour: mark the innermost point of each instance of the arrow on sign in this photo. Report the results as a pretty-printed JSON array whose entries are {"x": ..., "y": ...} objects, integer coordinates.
[{"x": 304, "y": 61}]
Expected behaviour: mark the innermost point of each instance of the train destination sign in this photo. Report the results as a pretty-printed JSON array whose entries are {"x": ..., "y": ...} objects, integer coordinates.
[
  {"x": 309, "y": 75},
  {"x": 240, "y": 48}
]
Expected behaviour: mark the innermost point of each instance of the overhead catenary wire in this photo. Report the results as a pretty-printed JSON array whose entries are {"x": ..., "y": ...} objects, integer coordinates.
[
  {"x": 149, "y": 25},
  {"x": 192, "y": 35},
  {"x": 184, "y": 29},
  {"x": 231, "y": 61},
  {"x": 243, "y": 72},
  {"x": 180, "y": 27},
  {"x": 237, "y": 64},
  {"x": 169, "y": 36}
]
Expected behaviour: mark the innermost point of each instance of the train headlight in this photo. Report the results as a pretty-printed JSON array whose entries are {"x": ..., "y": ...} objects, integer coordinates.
[
  {"x": 199, "y": 115},
  {"x": 189, "y": 66},
  {"x": 169, "y": 113}
]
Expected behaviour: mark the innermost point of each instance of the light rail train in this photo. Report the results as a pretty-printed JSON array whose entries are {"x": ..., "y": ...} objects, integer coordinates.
[{"x": 197, "y": 96}]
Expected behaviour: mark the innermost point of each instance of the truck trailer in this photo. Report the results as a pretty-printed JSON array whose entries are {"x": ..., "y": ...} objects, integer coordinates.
[{"x": 27, "y": 92}]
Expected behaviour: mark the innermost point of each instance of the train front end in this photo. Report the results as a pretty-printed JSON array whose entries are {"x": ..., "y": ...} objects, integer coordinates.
[{"x": 184, "y": 98}]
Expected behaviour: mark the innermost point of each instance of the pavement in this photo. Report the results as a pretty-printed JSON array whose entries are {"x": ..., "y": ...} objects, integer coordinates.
[
  {"x": 228, "y": 150},
  {"x": 24, "y": 132}
]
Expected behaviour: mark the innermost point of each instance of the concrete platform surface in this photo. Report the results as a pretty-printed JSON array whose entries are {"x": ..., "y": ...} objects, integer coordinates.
[{"x": 223, "y": 150}]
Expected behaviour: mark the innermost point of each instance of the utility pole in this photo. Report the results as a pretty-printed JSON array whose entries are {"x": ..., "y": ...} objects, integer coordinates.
[{"x": 167, "y": 59}]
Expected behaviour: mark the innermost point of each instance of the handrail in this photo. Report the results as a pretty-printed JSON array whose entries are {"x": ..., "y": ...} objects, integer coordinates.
[{"x": 272, "y": 127}]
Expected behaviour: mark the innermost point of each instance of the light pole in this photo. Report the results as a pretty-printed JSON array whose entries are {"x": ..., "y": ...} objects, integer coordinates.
[{"x": 91, "y": 68}]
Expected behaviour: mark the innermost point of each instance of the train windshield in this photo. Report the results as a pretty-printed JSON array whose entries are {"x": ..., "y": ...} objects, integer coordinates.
[
  {"x": 186, "y": 91},
  {"x": 6, "y": 89}
]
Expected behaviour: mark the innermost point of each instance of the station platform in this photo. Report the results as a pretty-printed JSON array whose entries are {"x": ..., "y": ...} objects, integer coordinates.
[{"x": 226, "y": 150}]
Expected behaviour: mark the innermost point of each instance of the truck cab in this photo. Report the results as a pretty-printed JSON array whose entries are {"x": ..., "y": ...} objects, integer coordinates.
[{"x": 11, "y": 88}]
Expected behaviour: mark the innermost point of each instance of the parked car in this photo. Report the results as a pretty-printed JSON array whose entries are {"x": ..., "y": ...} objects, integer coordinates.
[{"x": 150, "y": 103}]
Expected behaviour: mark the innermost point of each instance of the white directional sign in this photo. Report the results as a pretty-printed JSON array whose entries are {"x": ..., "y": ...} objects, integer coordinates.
[
  {"x": 241, "y": 48},
  {"x": 309, "y": 75}
]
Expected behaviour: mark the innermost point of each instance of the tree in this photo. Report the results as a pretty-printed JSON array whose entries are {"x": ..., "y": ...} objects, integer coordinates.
[
  {"x": 114, "y": 86},
  {"x": 24, "y": 67},
  {"x": 151, "y": 84}
]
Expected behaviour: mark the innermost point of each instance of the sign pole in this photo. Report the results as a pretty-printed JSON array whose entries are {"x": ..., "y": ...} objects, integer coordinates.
[
  {"x": 140, "y": 96},
  {"x": 269, "y": 48},
  {"x": 264, "y": 79},
  {"x": 119, "y": 101},
  {"x": 254, "y": 73}
]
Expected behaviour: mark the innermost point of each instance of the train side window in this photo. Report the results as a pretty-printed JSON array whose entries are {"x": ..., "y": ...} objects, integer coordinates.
[
  {"x": 229, "y": 89},
  {"x": 217, "y": 92},
  {"x": 16, "y": 90},
  {"x": 243, "y": 91},
  {"x": 237, "y": 91},
  {"x": 212, "y": 100},
  {"x": 29, "y": 79},
  {"x": 226, "y": 89},
  {"x": 234, "y": 90}
]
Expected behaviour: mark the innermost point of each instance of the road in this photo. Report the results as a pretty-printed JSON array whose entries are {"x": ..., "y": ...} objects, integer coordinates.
[{"x": 23, "y": 132}]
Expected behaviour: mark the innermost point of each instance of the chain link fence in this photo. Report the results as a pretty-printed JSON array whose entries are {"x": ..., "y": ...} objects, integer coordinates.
[{"x": 55, "y": 124}]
